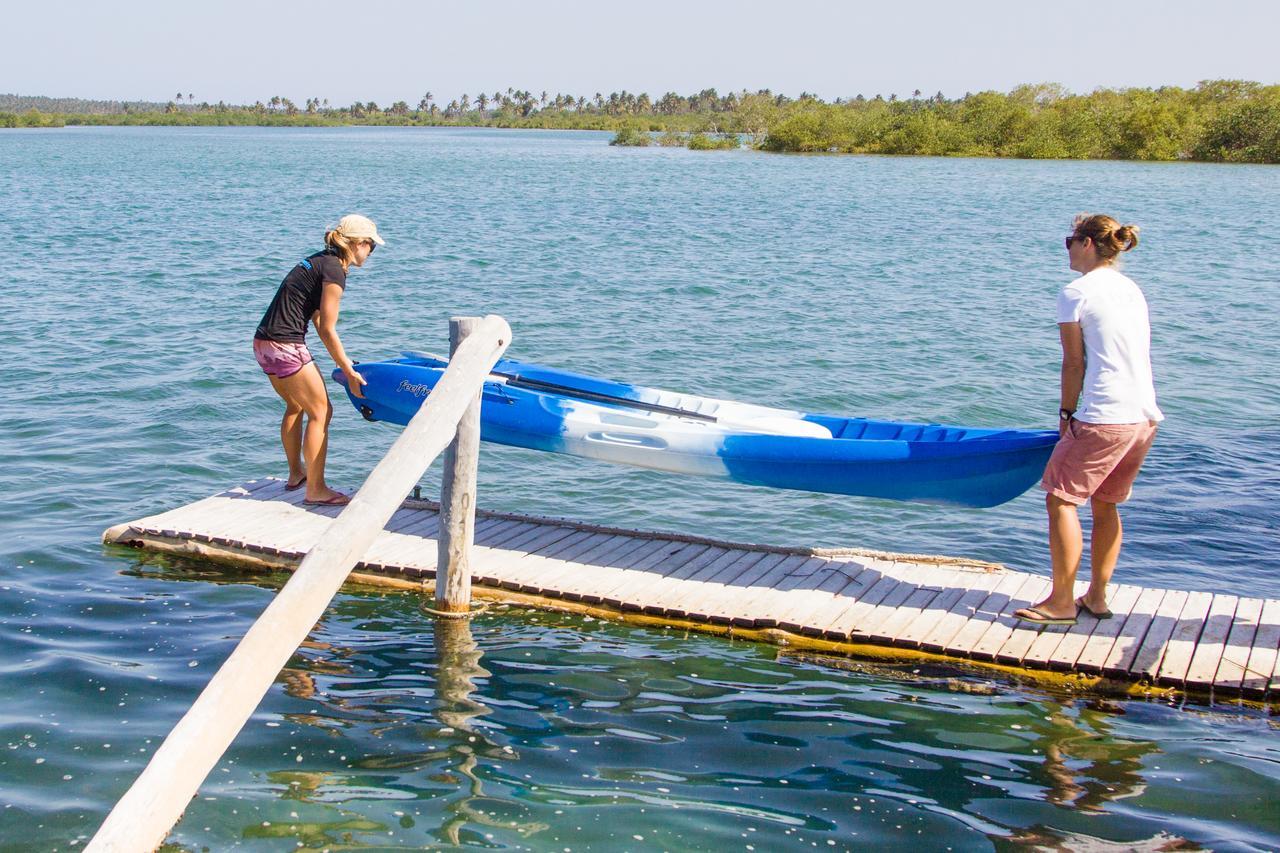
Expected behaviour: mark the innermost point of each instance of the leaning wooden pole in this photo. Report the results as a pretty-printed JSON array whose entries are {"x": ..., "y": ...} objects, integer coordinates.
[
  {"x": 149, "y": 809},
  {"x": 458, "y": 497}
]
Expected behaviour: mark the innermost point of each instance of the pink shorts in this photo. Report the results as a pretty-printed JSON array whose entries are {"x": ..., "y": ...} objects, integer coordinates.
[
  {"x": 1097, "y": 461},
  {"x": 281, "y": 359}
]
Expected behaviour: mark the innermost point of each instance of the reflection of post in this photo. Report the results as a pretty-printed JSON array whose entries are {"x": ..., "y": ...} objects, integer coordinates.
[
  {"x": 458, "y": 663},
  {"x": 458, "y": 497},
  {"x": 458, "y": 659}
]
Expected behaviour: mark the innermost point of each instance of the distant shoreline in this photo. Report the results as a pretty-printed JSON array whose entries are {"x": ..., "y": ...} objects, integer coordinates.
[{"x": 1229, "y": 121}]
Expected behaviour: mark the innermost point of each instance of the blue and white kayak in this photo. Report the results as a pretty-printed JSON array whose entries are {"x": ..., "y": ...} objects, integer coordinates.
[{"x": 541, "y": 408}]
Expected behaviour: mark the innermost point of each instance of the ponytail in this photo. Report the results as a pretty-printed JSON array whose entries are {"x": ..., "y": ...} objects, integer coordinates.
[
  {"x": 341, "y": 246},
  {"x": 1109, "y": 237}
]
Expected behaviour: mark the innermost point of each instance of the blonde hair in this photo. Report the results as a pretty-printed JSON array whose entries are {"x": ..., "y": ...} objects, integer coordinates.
[
  {"x": 1109, "y": 237},
  {"x": 343, "y": 245}
]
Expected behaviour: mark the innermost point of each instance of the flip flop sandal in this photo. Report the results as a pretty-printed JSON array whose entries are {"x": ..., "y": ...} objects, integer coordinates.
[
  {"x": 1041, "y": 618},
  {"x": 1096, "y": 614},
  {"x": 336, "y": 500},
  {"x": 293, "y": 487}
]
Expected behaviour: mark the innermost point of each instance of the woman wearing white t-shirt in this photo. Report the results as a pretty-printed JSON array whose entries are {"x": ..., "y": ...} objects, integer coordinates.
[{"x": 1107, "y": 420}]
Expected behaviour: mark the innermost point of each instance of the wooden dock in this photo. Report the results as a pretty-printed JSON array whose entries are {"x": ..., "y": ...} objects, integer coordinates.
[{"x": 908, "y": 604}]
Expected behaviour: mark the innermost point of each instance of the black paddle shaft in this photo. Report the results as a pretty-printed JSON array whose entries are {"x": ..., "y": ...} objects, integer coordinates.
[{"x": 539, "y": 385}]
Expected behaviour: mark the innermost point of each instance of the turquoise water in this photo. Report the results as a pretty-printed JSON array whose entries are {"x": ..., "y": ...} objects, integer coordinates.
[{"x": 902, "y": 288}]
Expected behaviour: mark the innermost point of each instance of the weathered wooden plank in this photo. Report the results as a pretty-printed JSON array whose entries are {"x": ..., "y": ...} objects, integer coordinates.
[
  {"x": 912, "y": 629},
  {"x": 1131, "y": 635},
  {"x": 585, "y": 581},
  {"x": 522, "y": 569},
  {"x": 994, "y": 635},
  {"x": 848, "y": 622},
  {"x": 706, "y": 588},
  {"x": 1213, "y": 641},
  {"x": 643, "y": 572},
  {"x": 725, "y": 609},
  {"x": 1235, "y": 657},
  {"x": 1146, "y": 663},
  {"x": 1093, "y": 656},
  {"x": 932, "y": 582},
  {"x": 1266, "y": 650},
  {"x": 1181, "y": 644},
  {"x": 939, "y": 635},
  {"x": 827, "y": 596},
  {"x": 755, "y": 606},
  {"x": 984, "y": 614}
]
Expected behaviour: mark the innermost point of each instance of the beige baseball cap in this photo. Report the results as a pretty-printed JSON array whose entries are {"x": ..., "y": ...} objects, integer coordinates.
[{"x": 359, "y": 227}]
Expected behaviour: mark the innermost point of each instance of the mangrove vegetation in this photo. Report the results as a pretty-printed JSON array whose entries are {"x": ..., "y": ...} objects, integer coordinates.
[{"x": 1234, "y": 121}]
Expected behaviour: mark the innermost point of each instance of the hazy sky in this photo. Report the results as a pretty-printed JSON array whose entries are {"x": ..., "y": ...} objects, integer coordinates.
[{"x": 384, "y": 50}]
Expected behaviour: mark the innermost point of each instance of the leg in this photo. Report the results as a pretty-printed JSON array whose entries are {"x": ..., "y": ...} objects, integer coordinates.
[
  {"x": 291, "y": 432},
  {"x": 1104, "y": 552},
  {"x": 1066, "y": 543},
  {"x": 307, "y": 389}
]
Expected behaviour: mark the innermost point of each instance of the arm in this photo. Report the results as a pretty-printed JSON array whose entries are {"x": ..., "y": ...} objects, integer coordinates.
[
  {"x": 326, "y": 321},
  {"x": 1072, "y": 381}
]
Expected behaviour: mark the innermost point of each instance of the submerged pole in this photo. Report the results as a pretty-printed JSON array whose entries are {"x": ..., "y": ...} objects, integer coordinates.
[
  {"x": 458, "y": 496},
  {"x": 149, "y": 809}
]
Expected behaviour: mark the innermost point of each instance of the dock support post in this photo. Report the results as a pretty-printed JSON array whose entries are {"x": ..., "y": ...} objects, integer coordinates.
[{"x": 458, "y": 497}]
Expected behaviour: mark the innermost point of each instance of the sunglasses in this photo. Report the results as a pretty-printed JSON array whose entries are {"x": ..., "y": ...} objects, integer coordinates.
[
  {"x": 372, "y": 246},
  {"x": 1070, "y": 240}
]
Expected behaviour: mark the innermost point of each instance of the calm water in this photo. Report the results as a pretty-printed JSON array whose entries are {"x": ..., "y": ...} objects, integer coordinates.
[{"x": 901, "y": 288}]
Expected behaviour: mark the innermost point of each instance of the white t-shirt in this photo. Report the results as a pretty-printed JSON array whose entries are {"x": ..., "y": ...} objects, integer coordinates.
[{"x": 1112, "y": 313}]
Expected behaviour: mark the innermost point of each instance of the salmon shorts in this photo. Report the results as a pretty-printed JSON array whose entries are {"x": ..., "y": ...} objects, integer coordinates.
[
  {"x": 279, "y": 358},
  {"x": 1097, "y": 461}
]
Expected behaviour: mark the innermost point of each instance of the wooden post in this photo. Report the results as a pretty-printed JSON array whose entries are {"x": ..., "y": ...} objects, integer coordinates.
[
  {"x": 143, "y": 816},
  {"x": 458, "y": 497}
]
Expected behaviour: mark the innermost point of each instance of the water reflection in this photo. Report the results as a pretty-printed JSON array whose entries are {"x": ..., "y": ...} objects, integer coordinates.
[{"x": 1085, "y": 764}]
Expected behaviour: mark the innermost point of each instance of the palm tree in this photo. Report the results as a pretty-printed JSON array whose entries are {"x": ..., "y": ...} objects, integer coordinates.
[
  {"x": 465, "y": 102},
  {"x": 482, "y": 101}
]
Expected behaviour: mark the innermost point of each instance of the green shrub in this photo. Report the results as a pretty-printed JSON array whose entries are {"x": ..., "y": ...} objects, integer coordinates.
[{"x": 631, "y": 137}]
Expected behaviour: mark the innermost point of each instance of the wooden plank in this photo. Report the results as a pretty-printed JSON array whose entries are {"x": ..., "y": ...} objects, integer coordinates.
[
  {"x": 994, "y": 635},
  {"x": 520, "y": 569},
  {"x": 534, "y": 568},
  {"x": 1025, "y": 634},
  {"x": 754, "y": 607},
  {"x": 490, "y": 531},
  {"x": 922, "y": 623},
  {"x": 636, "y": 586},
  {"x": 1181, "y": 644},
  {"x": 845, "y": 616},
  {"x": 821, "y": 598},
  {"x": 703, "y": 590},
  {"x": 1146, "y": 663},
  {"x": 1263, "y": 657},
  {"x": 932, "y": 583},
  {"x": 1093, "y": 656},
  {"x": 1213, "y": 641},
  {"x": 775, "y": 592},
  {"x": 588, "y": 582},
  {"x": 727, "y": 608},
  {"x": 939, "y": 633},
  {"x": 1235, "y": 657},
  {"x": 1133, "y": 632},
  {"x": 973, "y": 624}
]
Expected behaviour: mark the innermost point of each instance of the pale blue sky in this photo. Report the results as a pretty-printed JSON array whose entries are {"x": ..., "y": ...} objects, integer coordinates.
[{"x": 388, "y": 50}]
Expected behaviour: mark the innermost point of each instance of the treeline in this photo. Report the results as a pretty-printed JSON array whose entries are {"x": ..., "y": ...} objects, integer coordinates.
[{"x": 1217, "y": 120}]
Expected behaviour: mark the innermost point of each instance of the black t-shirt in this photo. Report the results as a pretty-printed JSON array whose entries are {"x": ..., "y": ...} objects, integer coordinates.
[{"x": 299, "y": 298}]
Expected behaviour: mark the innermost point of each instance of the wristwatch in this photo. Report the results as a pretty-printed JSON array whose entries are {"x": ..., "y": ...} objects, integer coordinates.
[{"x": 1065, "y": 414}]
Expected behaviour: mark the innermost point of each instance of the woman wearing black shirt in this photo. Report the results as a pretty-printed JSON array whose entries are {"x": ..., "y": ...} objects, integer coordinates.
[{"x": 312, "y": 292}]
